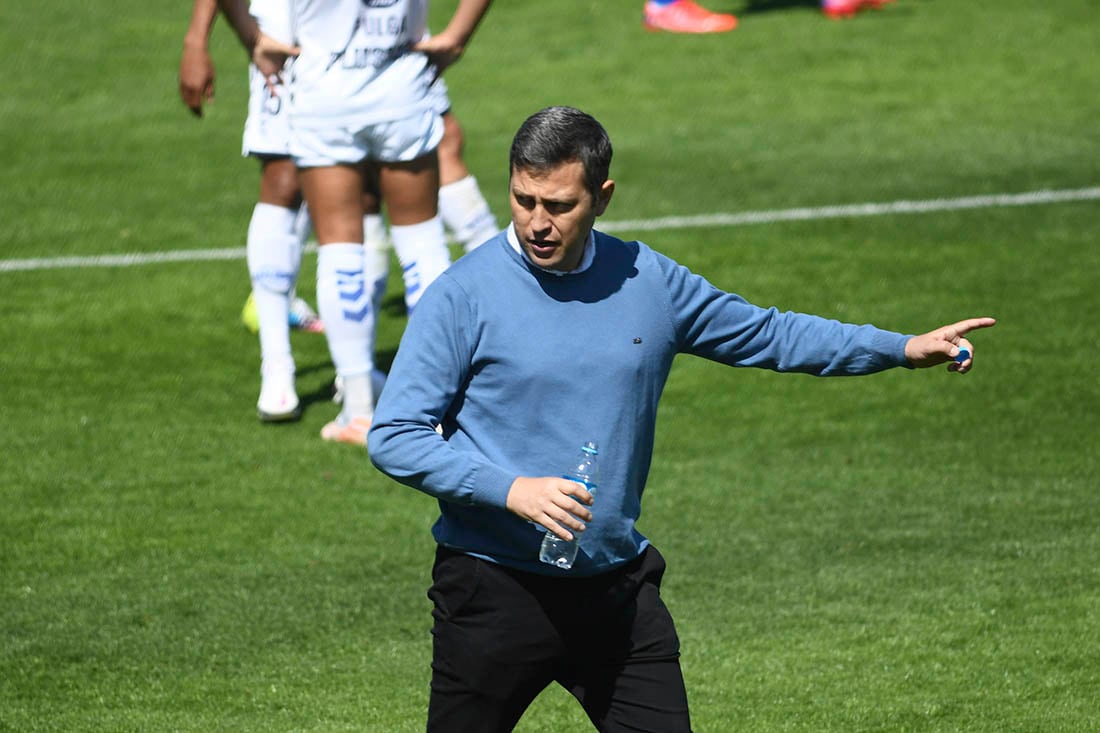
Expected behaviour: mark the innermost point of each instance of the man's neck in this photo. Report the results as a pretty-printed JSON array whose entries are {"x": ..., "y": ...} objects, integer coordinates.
[{"x": 586, "y": 256}]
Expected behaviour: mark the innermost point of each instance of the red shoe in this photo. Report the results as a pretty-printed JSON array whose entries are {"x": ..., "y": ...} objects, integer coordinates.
[
  {"x": 848, "y": 8},
  {"x": 684, "y": 16},
  {"x": 841, "y": 8}
]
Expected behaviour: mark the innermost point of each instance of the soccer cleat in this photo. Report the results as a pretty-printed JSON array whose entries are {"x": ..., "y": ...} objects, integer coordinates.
[
  {"x": 250, "y": 318},
  {"x": 840, "y": 8},
  {"x": 304, "y": 318},
  {"x": 848, "y": 8},
  {"x": 301, "y": 317},
  {"x": 353, "y": 431},
  {"x": 685, "y": 16},
  {"x": 278, "y": 401}
]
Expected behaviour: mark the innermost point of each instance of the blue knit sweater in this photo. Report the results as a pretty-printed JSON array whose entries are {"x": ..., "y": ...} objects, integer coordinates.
[{"x": 521, "y": 366}]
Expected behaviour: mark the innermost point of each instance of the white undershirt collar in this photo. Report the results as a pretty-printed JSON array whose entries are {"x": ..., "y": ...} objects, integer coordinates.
[{"x": 586, "y": 258}]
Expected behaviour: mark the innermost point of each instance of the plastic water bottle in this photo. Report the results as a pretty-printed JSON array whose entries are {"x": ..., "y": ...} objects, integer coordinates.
[{"x": 585, "y": 471}]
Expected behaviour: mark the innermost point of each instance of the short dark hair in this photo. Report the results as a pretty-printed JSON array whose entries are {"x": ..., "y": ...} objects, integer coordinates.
[{"x": 557, "y": 135}]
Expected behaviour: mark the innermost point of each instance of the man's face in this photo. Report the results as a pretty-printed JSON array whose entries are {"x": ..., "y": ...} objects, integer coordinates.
[{"x": 553, "y": 212}]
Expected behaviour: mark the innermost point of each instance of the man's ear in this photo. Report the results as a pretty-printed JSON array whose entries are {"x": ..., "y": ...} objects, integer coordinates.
[{"x": 604, "y": 197}]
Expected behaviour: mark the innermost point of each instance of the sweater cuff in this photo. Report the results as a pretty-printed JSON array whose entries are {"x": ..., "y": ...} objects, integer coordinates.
[
  {"x": 893, "y": 344},
  {"x": 491, "y": 485}
]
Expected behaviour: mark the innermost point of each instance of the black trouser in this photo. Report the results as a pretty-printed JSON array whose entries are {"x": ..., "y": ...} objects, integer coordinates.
[{"x": 501, "y": 636}]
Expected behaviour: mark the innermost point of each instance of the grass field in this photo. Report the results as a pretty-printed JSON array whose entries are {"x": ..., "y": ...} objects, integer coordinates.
[{"x": 904, "y": 552}]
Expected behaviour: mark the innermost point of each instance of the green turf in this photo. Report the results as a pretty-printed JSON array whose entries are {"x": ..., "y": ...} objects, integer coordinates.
[{"x": 904, "y": 552}]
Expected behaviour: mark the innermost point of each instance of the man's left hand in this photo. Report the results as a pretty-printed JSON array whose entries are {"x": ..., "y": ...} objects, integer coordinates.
[{"x": 944, "y": 344}]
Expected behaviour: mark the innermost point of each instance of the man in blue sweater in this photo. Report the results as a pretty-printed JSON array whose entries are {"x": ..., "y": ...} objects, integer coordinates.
[{"x": 550, "y": 335}]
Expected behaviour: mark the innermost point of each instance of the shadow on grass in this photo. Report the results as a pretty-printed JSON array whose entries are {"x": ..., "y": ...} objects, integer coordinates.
[
  {"x": 768, "y": 6},
  {"x": 755, "y": 7}
]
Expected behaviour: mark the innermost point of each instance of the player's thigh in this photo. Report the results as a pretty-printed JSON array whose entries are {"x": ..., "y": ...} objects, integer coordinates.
[
  {"x": 334, "y": 195},
  {"x": 405, "y": 153},
  {"x": 410, "y": 189}
]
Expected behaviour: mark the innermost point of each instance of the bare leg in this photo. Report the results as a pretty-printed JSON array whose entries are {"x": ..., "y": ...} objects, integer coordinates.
[
  {"x": 335, "y": 198},
  {"x": 411, "y": 191},
  {"x": 464, "y": 209}
]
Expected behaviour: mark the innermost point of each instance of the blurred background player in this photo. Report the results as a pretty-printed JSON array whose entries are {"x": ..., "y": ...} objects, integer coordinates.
[
  {"x": 462, "y": 206},
  {"x": 359, "y": 101},
  {"x": 280, "y": 222},
  {"x": 685, "y": 16}
]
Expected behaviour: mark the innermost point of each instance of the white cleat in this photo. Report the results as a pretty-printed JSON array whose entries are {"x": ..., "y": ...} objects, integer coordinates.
[{"x": 278, "y": 401}]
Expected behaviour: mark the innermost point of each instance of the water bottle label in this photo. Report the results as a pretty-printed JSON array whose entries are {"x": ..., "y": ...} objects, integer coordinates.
[{"x": 583, "y": 482}]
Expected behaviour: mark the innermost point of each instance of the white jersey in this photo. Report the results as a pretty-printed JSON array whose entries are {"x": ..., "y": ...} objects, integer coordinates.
[
  {"x": 273, "y": 17},
  {"x": 356, "y": 67}
]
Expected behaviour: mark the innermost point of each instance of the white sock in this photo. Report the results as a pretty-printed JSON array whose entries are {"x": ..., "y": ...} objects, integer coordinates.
[
  {"x": 274, "y": 256},
  {"x": 303, "y": 225},
  {"x": 466, "y": 213},
  {"x": 358, "y": 397},
  {"x": 376, "y": 260},
  {"x": 422, "y": 250},
  {"x": 344, "y": 305}
]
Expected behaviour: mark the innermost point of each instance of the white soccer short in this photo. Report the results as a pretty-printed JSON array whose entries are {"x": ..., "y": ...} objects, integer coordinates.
[
  {"x": 267, "y": 127},
  {"x": 438, "y": 98},
  {"x": 389, "y": 142}
]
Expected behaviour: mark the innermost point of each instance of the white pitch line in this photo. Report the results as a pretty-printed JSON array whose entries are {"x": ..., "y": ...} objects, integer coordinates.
[
  {"x": 856, "y": 210},
  {"x": 1032, "y": 198},
  {"x": 123, "y": 260}
]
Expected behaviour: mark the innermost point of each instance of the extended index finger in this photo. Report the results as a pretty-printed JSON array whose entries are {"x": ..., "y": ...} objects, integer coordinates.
[{"x": 972, "y": 324}]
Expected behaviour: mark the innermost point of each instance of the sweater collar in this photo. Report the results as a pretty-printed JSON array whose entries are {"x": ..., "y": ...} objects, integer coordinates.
[{"x": 586, "y": 258}]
